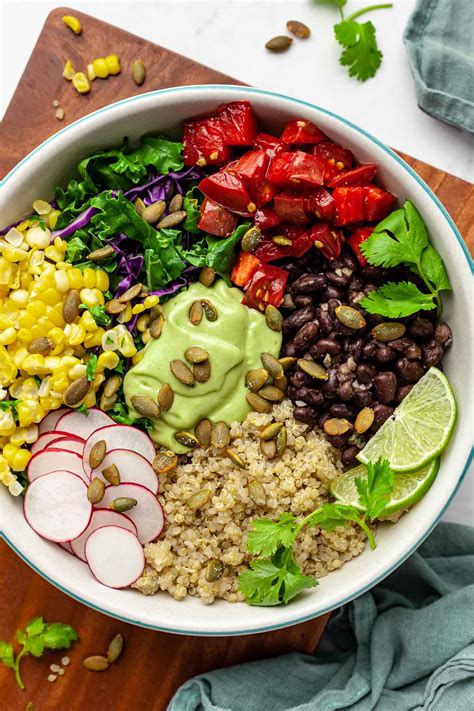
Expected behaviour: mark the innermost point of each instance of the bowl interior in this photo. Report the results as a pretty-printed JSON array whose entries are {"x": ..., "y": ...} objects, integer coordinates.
[{"x": 52, "y": 164}]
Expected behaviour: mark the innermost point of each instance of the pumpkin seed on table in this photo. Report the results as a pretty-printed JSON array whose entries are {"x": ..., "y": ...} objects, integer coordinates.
[
  {"x": 209, "y": 309},
  {"x": 156, "y": 326},
  {"x": 271, "y": 393},
  {"x": 271, "y": 431},
  {"x": 176, "y": 203},
  {"x": 199, "y": 499},
  {"x": 251, "y": 239},
  {"x": 187, "y": 439},
  {"x": 138, "y": 72},
  {"x": 287, "y": 361},
  {"x": 42, "y": 345},
  {"x": 165, "y": 462},
  {"x": 258, "y": 403},
  {"x": 96, "y": 662},
  {"x": 349, "y": 317},
  {"x": 272, "y": 364},
  {"x": 257, "y": 492},
  {"x": 153, "y": 212},
  {"x": 388, "y": 331},
  {"x": 313, "y": 369},
  {"x": 364, "y": 420},
  {"x": 145, "y": 405},
  {"x": 97, "y": 454},
  {"x": 207, "y": 276},
  {"x": 96, "y": 490},
  {"x": 165, "y": 397},
  {"x": 196, "y": 313},
  {"x": 76, "y": 392},
  {"x": 114, "y": 306},
  {"x": 214, "y": 570},
  {"x": 102, "y": 253},
  {"x": 281, "y": 441},
  {"x": 235, "y": 457},
  {"x": 71, "y": 305},
  {"x": 273, "y": 318},
  {"x": 256, "y": 379},
  {"x": 122, "y": 504},
  {"x": 268, "y": 448},
  {"x": 115, "y": 648},
  {"x": 111, "y": 385},
  {"x": 203, "y": 432},
  {"x": 299, "y": 29},
  {"x": 194, "y": 354},
  {"x": 336, "y": 426},
  {"x": 181, "y": 372},
  {"x": 220, "y": 435},
  {"x": 112, "y": 474},
  {"x": 171, "y": 220},
  {"x": 279, "y": 44},
  {"x": 131, "y": 293},
  {"x": 202, "y": 371}
]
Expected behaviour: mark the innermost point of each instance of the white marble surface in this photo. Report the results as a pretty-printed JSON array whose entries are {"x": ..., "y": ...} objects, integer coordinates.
[{"x": 229, "y": 35}]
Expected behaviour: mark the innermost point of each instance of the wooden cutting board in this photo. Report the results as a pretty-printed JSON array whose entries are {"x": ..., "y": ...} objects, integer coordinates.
[{"x": 154, "y": 664}]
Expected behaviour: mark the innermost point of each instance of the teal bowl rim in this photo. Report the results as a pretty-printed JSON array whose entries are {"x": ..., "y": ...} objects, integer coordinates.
[{"x": 438, "y": 203}]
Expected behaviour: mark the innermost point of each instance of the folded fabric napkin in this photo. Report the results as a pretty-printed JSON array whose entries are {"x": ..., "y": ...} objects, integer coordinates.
[
  {"x": 440, "y": 42},
  {"x": 408, "y": 644}
]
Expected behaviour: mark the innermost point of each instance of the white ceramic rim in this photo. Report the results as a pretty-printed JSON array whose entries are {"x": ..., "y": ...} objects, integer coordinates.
[{"x": 288, "y": 619}]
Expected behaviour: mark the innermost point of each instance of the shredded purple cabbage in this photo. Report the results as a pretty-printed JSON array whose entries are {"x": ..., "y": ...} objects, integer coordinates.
[
  {"x": 159, "y": 186},
  {"x": 81, "y": 221},
  {"x": 184, "y": 279}
]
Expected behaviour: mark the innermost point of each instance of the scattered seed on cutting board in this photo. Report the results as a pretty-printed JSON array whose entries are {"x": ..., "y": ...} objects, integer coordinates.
[
  {"x": 52, "y": 677},
  {"x": 65, "y": 661},
  {"x": 60, "y": 114},
  {"x": 299, "y": 29},
  {"x": 279, "y": 44},
  {"x": 138, "y": 72},
  {"x": 96, "y": 662},
  {"x": 55, "y": 103},
  {"x": 55, "y": 668},
  {"x": 115, "y": 648}
]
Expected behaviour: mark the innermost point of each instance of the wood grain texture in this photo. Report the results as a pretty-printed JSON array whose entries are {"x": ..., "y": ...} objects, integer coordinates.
[{"x": 154, "y": 664}]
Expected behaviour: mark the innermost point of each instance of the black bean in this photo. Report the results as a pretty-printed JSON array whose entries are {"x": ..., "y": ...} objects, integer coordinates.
[
  {"x": 331, "y": 293},
  {"x": 341, "y": 409},
  {"x": 323, "y": 418},
  {"x": 338, "y": 441},
  {"x": 410, "y": 370},
  {"x": 365, "y": 373},
  {"x": 402, "y": 392},
  {"x": 384, "y": 354},
  {"x": 443, "y": 335},
  {"x": 326, "y": 323},
  {"x": 356, "y": 283},
  {"x": 332, "y": 306},
  {"x": 381, "y": 413},
  {"x": 325, "y": 346},
  {"x": 345, "y": 391},
  {"x": 421, "y": 328},
  {"x": 402, "y": 344},
  {"x": 349, "y": 259},
  {"x": 432, "y": 353},
  {"x": 338, "y": 279},
  {"x": 413, "y": 352},
  {"x": 348, "y": 456},
  {"x": 385, "y": 385},
  {"x": 362, "y": 398},
  {"x": 309, "y": 282},
  {"x": 369, "y": 350},
  {"x": 328, "y": 388},
  {"x": 298, "y": 318},
  {"x": 310, "y": 396},
  {"x": 305, "y": 414},
  {"x": 353, "y": 347},
  {"x": 302, "y": 300},
  {"x": 306, "y": 335}
]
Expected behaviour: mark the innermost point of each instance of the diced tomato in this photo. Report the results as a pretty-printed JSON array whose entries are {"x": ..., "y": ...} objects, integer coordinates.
[
  {"x": 377, "y": 203},
  {"x": 216, "y": 220},
  {"x": 265, "y": 193},
  {"x": 349, "y": 205},
  {"x": 303, "y": 243},
  {"x": 302, "y": 131},
  {"x": 290, "y": 170},
  {"x": 267, "y": 286},
  {"x": 239, "y": 124},
  {"x": 204, "y": 142},
  {"x": 269, "y": 251},
  {"x": 355, "y": 241},
  {"x": 328, "y": 241},
  {"x": 291, "y": 231},
  {"x": 362, "y": 175},
  {"x": 228, "y": 190},
  {"x": 320, "y": 202},
  {"x": 252, "y": 168},
  {"x": 270, "y": 144},
  {"x": 266, "y": 218},
  {"x": 244, "y": 269},
  {"x": 335, "y": 158},
  {"x": 290, "y": 207}
]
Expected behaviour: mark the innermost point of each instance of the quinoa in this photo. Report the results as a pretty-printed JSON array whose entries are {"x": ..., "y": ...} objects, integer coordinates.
[{"x": 298, "y": 482}]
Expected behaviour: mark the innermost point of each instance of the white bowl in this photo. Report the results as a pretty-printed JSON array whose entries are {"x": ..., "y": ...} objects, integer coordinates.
[{"x": 51, "y": 164}]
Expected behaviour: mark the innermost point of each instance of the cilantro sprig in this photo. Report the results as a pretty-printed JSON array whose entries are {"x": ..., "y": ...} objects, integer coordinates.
[
  {"x": 402, "y": 238},
  {"x": 275, "y": 577},
  {"x": 37, "y": 636}
]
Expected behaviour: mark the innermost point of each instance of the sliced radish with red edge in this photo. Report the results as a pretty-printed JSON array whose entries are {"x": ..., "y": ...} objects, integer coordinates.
[
  {"x": 133, "y": 468},
  {"x": 115, "y": 556},
  {"x": 71, "y": 444},
  {"x": 100, "y": 518},
  {"x": 147, "y": 515},
  {"x": 44, "y": 439},
  {"x": 49, "y": 422},
  {"x": 67, "y": 547},
  {"x": 51, "y": 459},
  {"x": 84, "y": 425},
  {"x": 120, "y": 437}
]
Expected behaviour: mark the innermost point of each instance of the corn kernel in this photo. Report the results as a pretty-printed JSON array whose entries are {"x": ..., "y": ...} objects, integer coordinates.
[
  {"x": 19, "y": 297},
  {"x": 26, "y": 280},
  {"x": 20, "y": 460},
  {"x": 73, "y": 23},
  {"x": 7, "y": 423},
  {"x": 109, "y": 360},
  {"x": 90, "y": 399},
  {"x": 24, "y": 388},
  {"x": 18, "y": 437},
  {"x": 89, "y": 278},
  {"x": 87, "y": 321},
  {"x": 52, "y": 362},
  {"x": 34, "y": 364},
  {"x": 142, "y": 323},
  {"x": 77, "y": 371},
  {"x": 113, "y": 64},
  {"x": 8, "y": 336},
  {"x": 100, "y": 68},
  {"x": 81, "y": 83},
  {"x": 74, "y": 334},
  {"x": 53, "y": 253},
  {"x": 125, "y": 315},
  {"x": 146, "y": 336},
  {"x": 102, "y": 280},
  {"x": 53, "y": 218},
  {"x": 91, "y": 75},
  {"x": 68, "y": 71},
  {"x": 9, "y": 452},
  {"x": 151, "y": 301},
  {"x": 50, "y": 403},
  {"x": 4, "y": 290},
  {"x": 51, "y": 296},
  {"x": 36, "y": 308},
  {"x": 57, "y": 336},
  {"x": 13, "y": 254},
  {"x": 75, "y": 278},
  {"x": 14, "y": 237},
  {"x": 137, "y": 357},
  {"x": 55, "y": 314},
  {"x": 61, "y": 282},
  {"x": 92, "y": 297},
  {"x": 38, "y": 238},
  {"x": 59, "y": 384},
  {"x": 19, "y": 356},
  {"x": 94, "y": 338},
  {"x": 138, "y": 309},
  {"x": 41, "y": 207}
]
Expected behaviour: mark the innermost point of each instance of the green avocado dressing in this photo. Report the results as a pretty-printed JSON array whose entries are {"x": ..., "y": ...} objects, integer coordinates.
[{"x": 234, "y": 343}]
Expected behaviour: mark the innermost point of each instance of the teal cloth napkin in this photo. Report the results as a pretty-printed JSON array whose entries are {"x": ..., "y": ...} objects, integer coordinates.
[
  {"x": 408, "y": 644},
  {"x": 440, "y": 42}
]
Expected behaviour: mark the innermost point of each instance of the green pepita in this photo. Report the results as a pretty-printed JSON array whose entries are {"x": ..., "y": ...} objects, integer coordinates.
[
  {"x": 209, "y": 309},
  {"x": 115, "y": 648},
  {"x": 186, "y": 439},
  {"x": 282, "y": 241},
  {"x": 271, "y": 431},
  {"x": 300, "y": 30},
  {"x": 165, "y": 397},
  {"x": 112, "y": 474},
  {"x": 280, "y": 441},
  {"x": 71, "y": 305},
  {"x": 388, "y": 331},
  {"x": 171, "y": 220},
  {"x": 131, "y": 293},
  {"x": 220, "y": 435},
  {"x": 195, "y": 313},
  {"x": 251, "y": 239},
  {"x": 349, "y": 317},
  {"x": 364, "y": 420},
  {"x": 122, "y": 504},
  {"x": 207, "y": 276},
  {"x": 199, "y": 499},
  {"x": 102, "y": 253},
  {"x": 96, "y": 662},
  {"x": 313, "y": 369},
  {"x": 236, "y": 458},
  {"x": 203, "y": 432},
  {"x": 181, "y": 372},
  {"x": 273, "y": 318},
  {"x": 268, "y": 448},
  {"x": 272, "y": 364},
  {"x": 202, "y": 371},
  {"x": 195, "y": 354},
  {"x": 76, "y": 392},
  {"x": 97, "y": 453},
  {"x": 156, "y": 326},
  {"x": 337, "y": 426},
  {"x": 258, "y": 403},
  {"x": 256, "y": 379},
  {"x": 279, "y": 43},
  {"x": 138, "y": 72},
  {"x": 107, "y": 403},
  {"x": 96, "y": 490},
  {"x": 139, "y": 206},
  {"x": 145, "y": 405},
  {"x": 214, "y": 570},
  {"x": 271, "y": 393},
  {"x": 165, "y": 462},
  {"x": 111, "y": 385},
  {"x": 281, "y": 382},
  {"x": 114, "y": 307},
  {"x": 257, "y": 492},
  {"x": 176, "y": 203},
  {"x": 287, "y": 361}
]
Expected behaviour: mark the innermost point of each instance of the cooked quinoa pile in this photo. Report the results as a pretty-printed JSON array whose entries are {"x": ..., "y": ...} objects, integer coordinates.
[{"x": 297, "y": 482}]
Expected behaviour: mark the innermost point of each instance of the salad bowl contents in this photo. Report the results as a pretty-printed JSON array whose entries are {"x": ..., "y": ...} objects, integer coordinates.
[{"x": 221, "y": 360}]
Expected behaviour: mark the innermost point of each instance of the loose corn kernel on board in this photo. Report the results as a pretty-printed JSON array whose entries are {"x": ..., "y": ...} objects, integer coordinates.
[{"x": 24, "y": 594}]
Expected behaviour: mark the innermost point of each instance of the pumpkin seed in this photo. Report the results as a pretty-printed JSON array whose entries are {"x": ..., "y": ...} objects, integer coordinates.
[
  {"x": 186, "y": 439},
  {"x": 337, "y": 426},
  {"x": 171, "y": 220},
  {"x": 153, "y": 212},
  {"x": 42, "y": 345},
  {"x": 76, "y": 391},
  {"x": 199, "y": 499},
  {"x": 280, "y": 442},
  {"x": 111, "y": 385},
  {"x": 202, "y": 371},
  {"x": 139, "y": 206},
  {"x": 220, "y": 435},
  {"x": 97, "y": 454},
  {"x": 165, "y": 397},
  {"x": 181, "y": 372},
  {"x": 214, "y": 570},
  {"x": 165, "y": 462},
  {"x": 131, "y": 293},
  {"x": 207, "y": 276},
  {"x": 279, "y": 43},
  {"x": 268, "y": 448},
  {"x": 112, "y": 474},
  {"x": 364, "y": 420},
  {"x": 209, "y": 309},
  {"x": 232, "y": 454},
  {"x": 96, "y": 662},
  {"x": 271, "y": 363},
  {"x": 282, "y": 240},
  {"x": 96, "y": 490},
  {"x": 271, "y": 393},
  {"x": 156, "y": 326},
  {"x": 281, "y": 382},
  {"x": 273, "y": 318},
  {"x": 287, "y": 362},
  {"x": 313, "y": 369},
  {"x": 176, "y": 203},
  {"x": 195, "y": 313},
  {"x": 115, "y": 648},
  {"x": 257, "y": 492},
  {"x": 145, "y": 405},
  {"x": 71, "y": 305},
  {"x": 388, "y": 331},
  {"x": 138, "y": 72},
  {"x": 349, "y": 317},
  {"x": 203, "y": 432},
  {"x": 257, "y": 403},
  {"x": 107, "y": 403},
  {"x": 115, "y": 307},
  {"x": 299, "y": 29},
  {"x": 256, "y": 379},
  {"x": 195, "y": 354},
  {"x": 122, "y": 504},
  {"x": 251, "y": 239},
  {"x": 271, "y": 431},
  {"x": 102, "y": 253}
]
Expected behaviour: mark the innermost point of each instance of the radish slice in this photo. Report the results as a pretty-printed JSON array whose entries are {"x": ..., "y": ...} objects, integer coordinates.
[
  {"x": 115, "y": 556},
  {"x": 147, "y": 515},
  {"x": 100, "y": 518},
  {"x": 50, "y": 460},
  {"x": 45, "y": 439},
  {"x": 56, "y": 506},
  {"x": 67, "y": 547},
  {"x": 133, "y": 468},
  {"x": 120, "y": 437},
  {"x": 71, "y": 444},
  {"x": 84, "y": 425},
  {"x": 48, "y": 423}
]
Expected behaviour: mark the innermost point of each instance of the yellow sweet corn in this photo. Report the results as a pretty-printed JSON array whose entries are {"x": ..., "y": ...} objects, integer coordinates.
[
  {"x": 19, "y": 297},
  {"x": 19, "y": 461},
  {"x": 68, "y": 71},
  {"x": 34, "y": 364},
  {"x": 113, "y": 64},
  {"x": 14, "y": 254},
  {"x": 125, "y": 315},
  {"x": 74, "y": 334},
  {"x": 87, "y": 321},
  {"x": 81, "y": 83},
  {"x": 94, "y": 338},
  {"x": 151, "y": 301},
  {"x": 8, "y": 336},
  {"x": 7, "y": 423},
  {"x": 61, "y": 282},
  {"x": 92, "y": 297},
  {"x": 138, "y": 309},
  {"x": 38, "y": 238},
  {"x": 107, "y": 359},
  {"x": 102, "y": 280},
  {"x": 53, "y": 218},
  {"x": 73, "y": 23},
  {"x": 89, "y": 278}
]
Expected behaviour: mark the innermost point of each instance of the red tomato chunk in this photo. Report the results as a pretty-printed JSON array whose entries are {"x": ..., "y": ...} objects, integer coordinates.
[
  {"x": 291, "y": 207},
  {"x": 270, "y": 144},
  {"x": 328, "y": 241},
  {"x": 356, "y": 239},
  {"x": 228, "y": 190},
  {"x": 377, "y": 203},
  {"x": 290, "y": 170},
  {"x": 266, "y": 218},
  {"x": 238, "y": 122},
  {"x": 335, "y": 158},
  {"x": 267, "y": 286},
  {"x": 244, "y": 269},
  {"x": 216, "y": 220},
  {"x": 204, "y": 143},
  {"x": 252, "y": 168},
  {"x": 320, "y": 202},
  {"x": 362, "y": 175},
  {"x": 349, "y": 205},
  {"x": 302, "y": 131}
]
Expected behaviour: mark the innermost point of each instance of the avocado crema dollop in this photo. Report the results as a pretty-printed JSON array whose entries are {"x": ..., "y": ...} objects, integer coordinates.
[{"x": 234, "y": 342}]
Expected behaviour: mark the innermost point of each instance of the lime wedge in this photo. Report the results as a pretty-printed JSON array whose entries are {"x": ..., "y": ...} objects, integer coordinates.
[
  {"x": 420, "y": 427},
  {"x": 409, "y": 488}
]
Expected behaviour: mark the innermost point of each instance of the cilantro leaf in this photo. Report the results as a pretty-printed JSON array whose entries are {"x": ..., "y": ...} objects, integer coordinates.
[
  {"x": 76, "y": 249},
  {"x": 59, "y": 636},
  {"x": 361, "y": 53},
  {"x": 397, "y": 300},
  {"x": 433, "y": 268},
  {"x": 274, "y": 581},
  {"x": 91, "y": 367},
  {"x": 267, "y": 536},
  {"x": 7, "y": 656},
  {"x": 98, "y": 313},
  {"x": 375, "y": 489}
]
